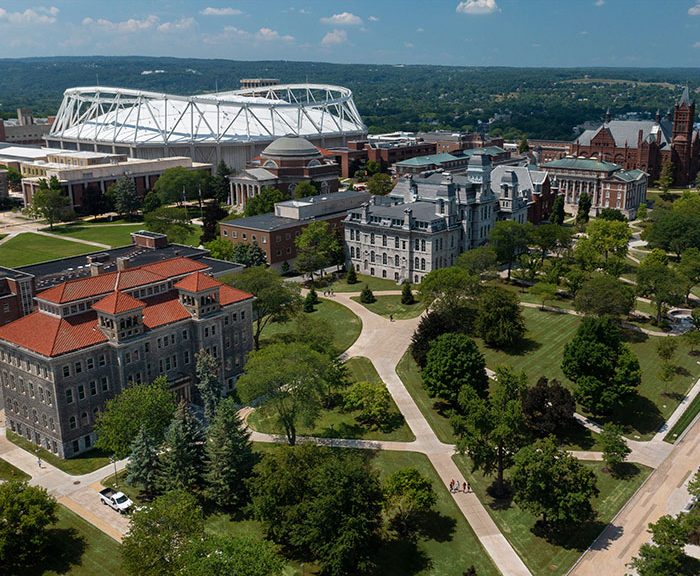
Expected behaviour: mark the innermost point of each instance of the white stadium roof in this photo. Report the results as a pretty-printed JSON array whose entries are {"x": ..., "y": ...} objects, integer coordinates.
[{"x": 137, "y": 118}]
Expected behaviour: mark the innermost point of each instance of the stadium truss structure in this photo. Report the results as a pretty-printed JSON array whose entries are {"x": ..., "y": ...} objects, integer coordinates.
[{"x": 124, "y": 120}]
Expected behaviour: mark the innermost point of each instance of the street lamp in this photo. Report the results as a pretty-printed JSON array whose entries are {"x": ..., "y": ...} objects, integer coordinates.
[{"x": 113, "y": 460}]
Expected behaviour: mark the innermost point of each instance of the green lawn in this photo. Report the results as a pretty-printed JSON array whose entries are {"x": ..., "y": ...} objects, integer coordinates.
[
  {"x": 9, "y": 472},
  {"x": 374, "y": 283},
  {"x": 102, "y": 233},
  {"x": 547, "y": 558},
  {"x": 391, "y": 305},
  {"x": 346, "y": 325},
  {"x": 408, "y": 371},
  {"x": 77, "y": 548},
  {"x": 541, "y": 354},
  {"x": 336, "y": 423},
  {"x": 684, "y": 421},
  {"x": 83, "y": 464},
  {"x": 446, "y": 545},
  {"x": 29, "y": 248}
]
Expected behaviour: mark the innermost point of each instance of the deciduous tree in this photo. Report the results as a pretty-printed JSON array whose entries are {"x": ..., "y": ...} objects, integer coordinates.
[
  {"x": 544, "y": 291},
  {"x": 440, "y": 321},
  {"x": 49, "y": 202},
  {"x": 552, "y": 484},
  {"x": 208, "y": 381},
  {"x": 448, "y": 286},
  {"x": 609, "y": 237},
  {"x": 509, "y": 239},
  {"x": 499, "y": 319},
  {"x": 659, "y": 282},
  {"x": 275, "y": 299},
  {"x": 615, "y": 449},
  {"x": 407, "y": 494},
  {"x": 231, "y": 556},
  {"x": 150, "y": 406},
  {"x": 491, "y": 430},
  {"x": 373, "y": 401},
  {"x": 305, "y": 188},
  {"x": 291, "y": 377},
  {"x": 316, "y": 247},
  {"x": 453, "y": 362},
  {"x": 122, "y": 194},
  {"x": 548, "y": 407},
  {"x": 478, "y": 260},
  {"x": 173, "y": 222},
  {"x": 602, "y": 295},
  {"x": 264, "y": 202},
  {"x": 379, "y": 184}
]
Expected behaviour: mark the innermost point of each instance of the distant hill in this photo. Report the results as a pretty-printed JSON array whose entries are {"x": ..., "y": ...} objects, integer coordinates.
[{"x": 538, "y": 102}]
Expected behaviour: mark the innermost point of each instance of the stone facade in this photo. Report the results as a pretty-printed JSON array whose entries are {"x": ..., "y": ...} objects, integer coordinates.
[{"x": 60, "y": 364}]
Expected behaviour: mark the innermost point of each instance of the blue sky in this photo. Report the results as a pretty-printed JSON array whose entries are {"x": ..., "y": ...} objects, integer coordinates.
[{"x": 469, "y": 32}]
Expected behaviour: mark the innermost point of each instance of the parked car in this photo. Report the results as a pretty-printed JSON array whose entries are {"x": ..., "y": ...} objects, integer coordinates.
[{"x": 116, "y": 500}]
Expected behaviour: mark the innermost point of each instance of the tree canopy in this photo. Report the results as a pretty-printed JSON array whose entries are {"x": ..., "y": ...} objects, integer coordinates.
[
  {"x": 49, "y": 202},
  {"x": 264, "y": 202},
  {"x": 317, "y": 247},
  {"x": 122, "y": 194},
  {"x": 509, "y": 239},
  {"x": 602, "y": 295},
  {"x": 171, "y": 221},
  {"x": 499, "y": 320}
]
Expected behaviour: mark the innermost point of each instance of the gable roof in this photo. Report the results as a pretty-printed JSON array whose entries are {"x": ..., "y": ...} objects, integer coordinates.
[
  {"x": 117, "y": 302},
  {"x": 582, "y": 164},
  {"x": 626, "y": 132},
  {"x": 124, "y": 280}
]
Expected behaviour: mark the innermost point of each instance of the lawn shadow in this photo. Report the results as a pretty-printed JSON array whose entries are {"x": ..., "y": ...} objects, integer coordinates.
[
  {"x": 639, "y": 414},
  {"x": 65, "y": 549},
  {"x": 342, "y": 430},
  {"x": 433, "y": 525},
  {"x": 634, "y": 336},
  {"x": 575, "y": 434},
  {"x": 522, "y": 347},
  {"x": 578, "y": 537},
  {"x": 401, "y": 557},
  {"x": 625, "y": 471}
]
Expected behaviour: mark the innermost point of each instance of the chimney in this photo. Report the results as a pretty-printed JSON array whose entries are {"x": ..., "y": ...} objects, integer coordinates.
[
  {"x": 122, "y": 263},
  {"x": 96, "y": 268},
  {"x": 407, "y": 218}
]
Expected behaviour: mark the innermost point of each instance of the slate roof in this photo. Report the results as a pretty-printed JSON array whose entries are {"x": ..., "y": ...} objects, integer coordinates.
[
  {"x": 626, "y": 132},
  {"x": 427, "y": 160},
  {"x": 582, "y": 164}
]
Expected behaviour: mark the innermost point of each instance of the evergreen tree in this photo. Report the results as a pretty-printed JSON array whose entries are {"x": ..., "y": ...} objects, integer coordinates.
[
  {"x": 182, "y": 457},
  {"x": 142, "y": 469},
  {"x": 407, "y": 294},
  {"x": 665, "y": 177},
  {"x": 220, "y": 182},
  {"x": 208, "y": 382},
  {"x": 584, "y": 208},
  {"x": 151, "y": 202},
  {"x": 230, "y": 457},
  {"x": 352, "y": 275},
  {"x": 558, "y": 211},
  {"x": 313, "y": 296},
  {"x": 523, "y": 146},
  {"x": 367, "y": 296},
  {"x": 213, "y": 213},
  {"x": 124, "y": 197},
  {"x": 309, "y": 303}
]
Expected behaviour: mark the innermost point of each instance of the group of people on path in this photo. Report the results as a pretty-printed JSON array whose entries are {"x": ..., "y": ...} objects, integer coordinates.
[
  {"x": 329, "y": 292},
  {"x": 455, "y": 487}
]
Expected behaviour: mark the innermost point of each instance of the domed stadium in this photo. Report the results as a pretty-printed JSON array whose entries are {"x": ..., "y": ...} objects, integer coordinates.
[{"x": 231, "y": 126}]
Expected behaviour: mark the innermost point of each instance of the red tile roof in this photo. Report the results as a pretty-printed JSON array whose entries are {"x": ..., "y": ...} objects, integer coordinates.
[
  {"x": 124, "y": 280},
  {"x": 52, "y": 336},
  {"x": 197, "y": 282},
  {"x": 164, "y": 309},
  {"x": 229, "y": 295},
  {"x": 117, "y": 302}
]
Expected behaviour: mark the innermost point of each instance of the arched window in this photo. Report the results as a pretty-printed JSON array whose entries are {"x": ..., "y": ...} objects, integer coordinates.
[
  {"x": 84, "y": 419},
  {"x": 417, "y": 263},
  {"x": 371, "y": 256},
  {"x": 371, "y": 238},
  {"x": 72, "y": 423},
  {"x": 384, "y": 239},
  {"x": 396, "y": 260},
  {"x": 384, "y": 259},
  {"x": 422, "y": 263}
]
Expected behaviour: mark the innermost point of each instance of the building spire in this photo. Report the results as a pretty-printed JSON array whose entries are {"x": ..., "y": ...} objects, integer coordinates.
[
  {"x": 608, "y": 116},
  {"x": 685, "y": 97}
]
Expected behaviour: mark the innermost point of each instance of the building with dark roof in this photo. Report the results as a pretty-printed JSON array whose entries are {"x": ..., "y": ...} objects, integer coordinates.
[
  {"x": 607, "y": 184},
  {"x": 92, "y": 336},
  {"x": 646, "y": 144},
  {"x": 282, "y": 165},
  {"x": 454, "y": 162},
  {"x": 275, "y": 232}
]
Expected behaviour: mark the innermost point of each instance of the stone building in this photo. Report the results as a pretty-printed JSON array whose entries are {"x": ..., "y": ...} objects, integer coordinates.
[
  {"x": 91, "y": 337},
  {"x": 608, "y": 185},
  {"x": 282, "y": 165},
  {"x": 419, "y": 228}
]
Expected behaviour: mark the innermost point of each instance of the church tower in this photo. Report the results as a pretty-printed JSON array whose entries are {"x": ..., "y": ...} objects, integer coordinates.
[{"x": 683, "y": 117}]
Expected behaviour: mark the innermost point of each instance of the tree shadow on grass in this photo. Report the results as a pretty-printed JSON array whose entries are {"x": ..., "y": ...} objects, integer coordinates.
[
  {"x": 639, "y": 414},
  {"x": 625, "y": 471},
  {"x": 433, "y": 525},
  {"x": 634, "y": 336},
  {"x": 401, "y": 557},
  {"x": 576, "y": 435},
  {"x": 578, "y": 537},
  {"x": 522, "y": 347},
  {"x": 65, "y": 549}
]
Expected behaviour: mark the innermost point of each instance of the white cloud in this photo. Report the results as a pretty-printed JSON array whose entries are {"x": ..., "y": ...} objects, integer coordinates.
[
  {"x": 599, "y": 2},
  {"x": 209, "y": 11},
  {"x": 335, "y": 37},
  {"x": 694, "y": 10},
  {"x": 696, "y": 45},
  {"x": 373, "y": 19},
  {"x": 408, "y": 44},
  {"x": 342, "y": 19},
  {"x": 126, "y": 26},
  {"x": 229, "y": 34},
  {"x": 41, "y": 15},
  {"x": 177, "y": 25},
  {"x": 419, "y": 30},
  {"x": 477, "y": 7},
  {"x": 269, "y": 35}
]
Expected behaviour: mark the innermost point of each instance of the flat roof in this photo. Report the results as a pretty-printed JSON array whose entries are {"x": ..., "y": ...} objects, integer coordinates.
[{"x": 265, "y": 222}]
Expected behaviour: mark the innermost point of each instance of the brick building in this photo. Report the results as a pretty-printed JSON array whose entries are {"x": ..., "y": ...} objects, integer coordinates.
[
  {"x": 276, "y": 232},
  {"x": 446, "y": 141},
  {"x": 282, "y": 165},
  {"x": 608, "y": 185},
  {"x": 91, "y": 337},
  {"x": 16, "y": 294},
  {"x": 26, "y": 129}
]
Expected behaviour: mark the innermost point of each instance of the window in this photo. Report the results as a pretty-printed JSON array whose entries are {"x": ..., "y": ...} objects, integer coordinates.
[
  {"x": 172, "y": 338},
  {"x": 69, "y": 395},
  {"x": 127, "y": 357},
  {"x": 384, "y": 239},
  {"x": 422, "y": 245},
  {"x": 416, "y": 245},
  {"x": 93, "y": 387},
  {"x": 66, "y": 371},
  {"x": 422, "y": 263},
  {"x": 72, "y": 423},
  {"x": 186, "y": 356},
  {"x": 81, "y": 392},
  {"x": 76, "y": 445},
  {"x": 371, "y": 256},
  {"x": 78, "y": 367},
  {"x": 102, "y": 361},
  {"x": 84, "y": 419},
  {"x": 90, "y": 363},
  {"x": 384, "y": 259},
  {"x": 206, "y": 332},
  {"x": 185, "y": 334},
  {"x": 396, "y": 260},
  {"x": 243, "y": 315},
  {"x": 104, "y": 383},
  {"x": 396, "y": 242},
  {"x": 371, "y": 238},
  {"x": 383, "y": 273}
]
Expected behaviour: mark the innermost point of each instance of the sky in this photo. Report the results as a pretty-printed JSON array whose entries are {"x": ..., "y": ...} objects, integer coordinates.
[{"x": 663, "y": 33}]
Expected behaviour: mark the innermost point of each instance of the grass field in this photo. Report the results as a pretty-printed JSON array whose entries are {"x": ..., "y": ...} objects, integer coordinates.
[
  {"x": 546, "y": 558},
  {"x": 374, "y": 283},
  {"x": 336, "y": 423},
  {"x": 29, "y": 248},
  {"x": 446, "y": 545},
  {"x": 89, "y": 462},
  {"x": 541, "y": 354},
  {"x": 102, "y": 233},
  {"x": 77, "y": 548},
  {"x": 684, "y": 421},
  {"x": 391, "y": 305},
  {"x": 9, "y": 472},
  {"x": 346, "y": 325}
]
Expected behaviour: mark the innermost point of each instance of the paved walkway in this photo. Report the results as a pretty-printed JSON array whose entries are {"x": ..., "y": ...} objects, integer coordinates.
[{"x": 13, "y": 225}]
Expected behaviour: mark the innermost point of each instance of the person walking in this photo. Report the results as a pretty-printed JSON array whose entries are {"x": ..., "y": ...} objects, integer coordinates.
[
  {"x": 38, "y": 461},
  {"x": 469, "y": 488},
  {"x": 391, "y": 317},
  {"x": 452, "y": 485}
]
